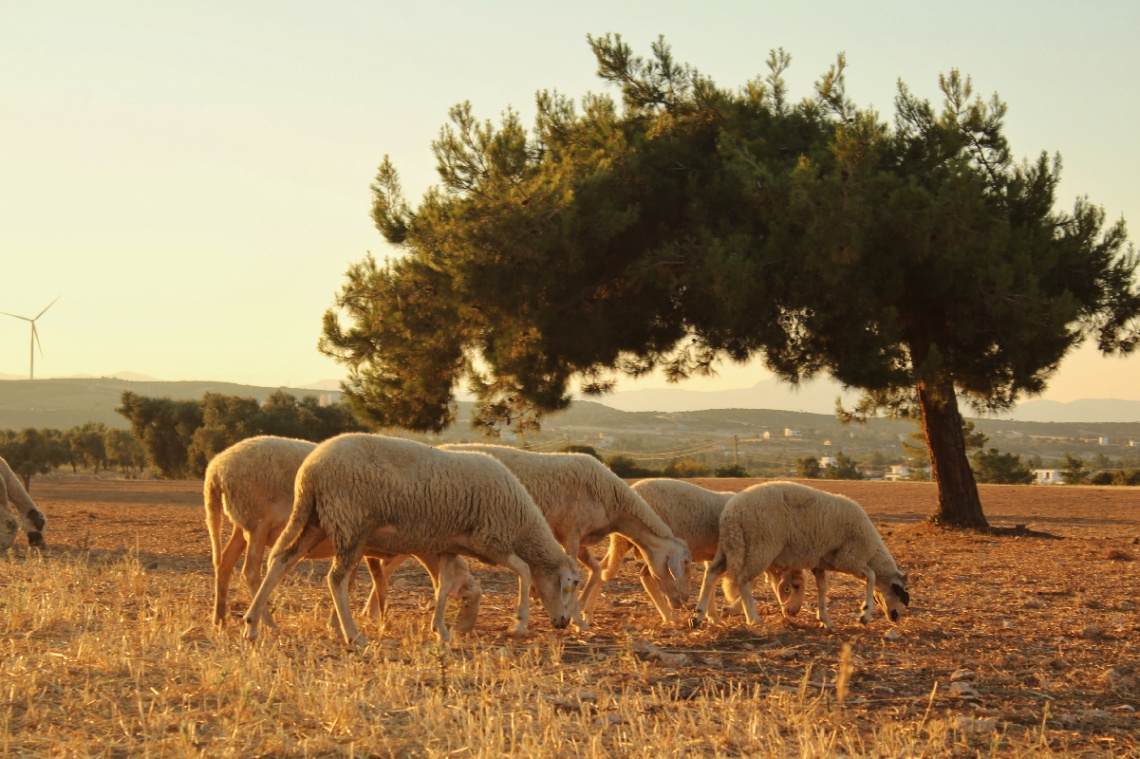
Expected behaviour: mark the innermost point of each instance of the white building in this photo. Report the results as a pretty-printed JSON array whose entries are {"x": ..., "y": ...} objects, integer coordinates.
[
  {"x": 897, "y": 472},
  {"x": 1048, "y": 476}
]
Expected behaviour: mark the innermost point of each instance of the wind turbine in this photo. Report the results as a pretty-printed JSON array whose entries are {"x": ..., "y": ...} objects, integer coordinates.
[{"x": 35, "y": 335}]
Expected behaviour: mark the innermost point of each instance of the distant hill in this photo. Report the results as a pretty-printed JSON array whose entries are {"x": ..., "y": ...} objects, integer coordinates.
[
  {"x": 1095, "y": 410},
  {"x": 818, "y": 397},
  {"x": 65, "y": 403}
]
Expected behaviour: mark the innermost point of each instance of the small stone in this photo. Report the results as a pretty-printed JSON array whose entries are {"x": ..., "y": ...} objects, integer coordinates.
[
  {"x": 962, "y": 690},
  {"x": 974, "y": 725},
  {"x": 1122, "y": 708},
  {"x": 1095, "y": 714},
  {"x": 1118, "y": 621},
  {"x": 1068, "y": 719},
  {"x": 607, "y": 720},
  {"x": 587, "y": 695},
  {"x": 1033, "y": 603},
  {"x": 962, "y": 674},
  {"x": 891, "y": 635},
  {"x": 1092, "y": 632},
  {"x": 1006, "y": 624}
]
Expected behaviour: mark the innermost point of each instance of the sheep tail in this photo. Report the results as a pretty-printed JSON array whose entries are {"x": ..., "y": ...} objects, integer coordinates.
[
  {"x": 213, "y": 498},
  {"x": 304, "y": 511}
]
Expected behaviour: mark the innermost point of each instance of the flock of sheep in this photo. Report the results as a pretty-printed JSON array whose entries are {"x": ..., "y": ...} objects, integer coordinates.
[{"x": 384, "y": 499}]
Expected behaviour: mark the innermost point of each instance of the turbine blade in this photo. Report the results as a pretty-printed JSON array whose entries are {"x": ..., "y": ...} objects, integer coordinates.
[
  {"x": 36, "y": 337},
  {"x": 15, "y": 316},
  {"x": 41, "y": 313}
]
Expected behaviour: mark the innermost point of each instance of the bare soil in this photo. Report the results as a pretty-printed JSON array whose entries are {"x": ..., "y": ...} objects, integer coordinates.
[{"x": 1031, "y": 633}]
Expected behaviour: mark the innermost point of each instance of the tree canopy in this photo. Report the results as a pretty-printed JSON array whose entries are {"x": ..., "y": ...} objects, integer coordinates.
[{"x": 689, "y": 224}]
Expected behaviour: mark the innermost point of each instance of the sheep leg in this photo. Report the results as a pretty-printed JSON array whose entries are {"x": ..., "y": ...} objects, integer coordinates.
[
  {"x": 223, "y": 570},
  {"x": 443, "y": 583},
  {"x": 713, "y": 570},
  {"x": 821, "y": 592},
  {"x": 749, "y": 601},
  {"x": 580, "y": 624},
  {"x": 649, "y": 582},
  {"x": 380, "y": 570},
  {"x": 344, "y": 566},
  {"x": 869, "y": 604},
  {"x": 251, "y": 567},
  {"x": 334, "y": 622},
  {"x": 280, "y": 564},
  {"x": 522, "y": 569},
  {"x": 464, "y": 586},
  {"x": 593, "y": 586},
  {"x": 732, "y": 603}
]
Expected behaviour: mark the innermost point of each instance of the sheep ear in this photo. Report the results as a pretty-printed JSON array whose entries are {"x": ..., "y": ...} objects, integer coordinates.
[{"x": 674, "y": 566}]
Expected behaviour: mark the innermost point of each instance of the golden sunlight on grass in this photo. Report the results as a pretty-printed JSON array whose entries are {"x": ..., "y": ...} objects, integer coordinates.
[{"x": 107, "y": 654}]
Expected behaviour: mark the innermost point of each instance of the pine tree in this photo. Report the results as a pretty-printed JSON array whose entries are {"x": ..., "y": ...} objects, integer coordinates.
[{"x": 691, "y": 224}]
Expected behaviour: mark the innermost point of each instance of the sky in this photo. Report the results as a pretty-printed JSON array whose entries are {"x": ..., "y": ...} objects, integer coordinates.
[{"x": 192, "y": 179}]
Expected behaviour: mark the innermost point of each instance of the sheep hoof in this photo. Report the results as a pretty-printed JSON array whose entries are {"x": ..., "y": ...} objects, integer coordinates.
[
  {"x": 695, "y": 622},
  {"x": 360, "y": 641},
  {"x": 520, "y": 631}
]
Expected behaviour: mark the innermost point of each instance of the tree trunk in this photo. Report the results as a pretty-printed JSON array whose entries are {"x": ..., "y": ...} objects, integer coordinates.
[{"x": 958, "y": 501}]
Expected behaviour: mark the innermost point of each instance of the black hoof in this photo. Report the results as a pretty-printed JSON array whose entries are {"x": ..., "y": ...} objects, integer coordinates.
[{"x": 694, "y": 622}]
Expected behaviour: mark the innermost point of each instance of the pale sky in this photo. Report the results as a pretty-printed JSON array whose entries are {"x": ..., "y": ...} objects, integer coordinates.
[{"x": 192, "y": 178}]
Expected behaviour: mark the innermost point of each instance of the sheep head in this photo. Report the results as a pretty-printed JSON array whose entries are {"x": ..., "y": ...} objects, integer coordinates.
[
  {"x": 893, "y": 595},
  {"x": 557, "y": 589},
  {"x": 789, "y": 587},
  {"x": 674, "y": 572}
]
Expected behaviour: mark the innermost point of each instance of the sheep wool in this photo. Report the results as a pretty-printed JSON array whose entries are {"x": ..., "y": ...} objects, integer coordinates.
[
  {"x": 583, "y": 501},
  {"x": 693, "y": 514},
  {"x": 368, "y": 492},
  {"x": 251, "y": 483},
  {"x": 792, "y": 525},
  {"x": 14, "y": 497}
]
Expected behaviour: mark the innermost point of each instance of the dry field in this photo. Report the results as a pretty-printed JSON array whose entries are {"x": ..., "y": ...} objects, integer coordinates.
[{"x": 1015, "y": 646}]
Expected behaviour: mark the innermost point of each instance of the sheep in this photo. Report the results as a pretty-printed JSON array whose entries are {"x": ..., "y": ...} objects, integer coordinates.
[
  {"x": 251, "y": 482},
  {"x": 693, "y": 514},
  {"x": 792, "y": 525},
  {"x": 583, "y": 501},
  {"x": 369, "y": 492},
  {"x": 13, "y": 496}
]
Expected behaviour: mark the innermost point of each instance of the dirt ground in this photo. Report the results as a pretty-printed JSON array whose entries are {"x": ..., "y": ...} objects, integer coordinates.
[{"x": 1009, "y": 633}]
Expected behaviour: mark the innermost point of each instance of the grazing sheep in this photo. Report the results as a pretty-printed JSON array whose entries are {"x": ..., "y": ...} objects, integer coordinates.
[
  {"x": 792, "y": 525},
  {"x": 693, "y": 514},
  {"x": 583, "y": 501},
  {"x": 374, "y": 493},
  {"x": 13, "y": 496},
  {"x": 251, "y": 482}
]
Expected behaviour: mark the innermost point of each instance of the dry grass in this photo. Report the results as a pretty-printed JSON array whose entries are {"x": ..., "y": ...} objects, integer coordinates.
[{"x": 1015, "y": 647}]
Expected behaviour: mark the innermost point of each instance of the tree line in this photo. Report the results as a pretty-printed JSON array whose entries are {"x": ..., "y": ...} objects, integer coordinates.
[{"x": 173, "y": 438}]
